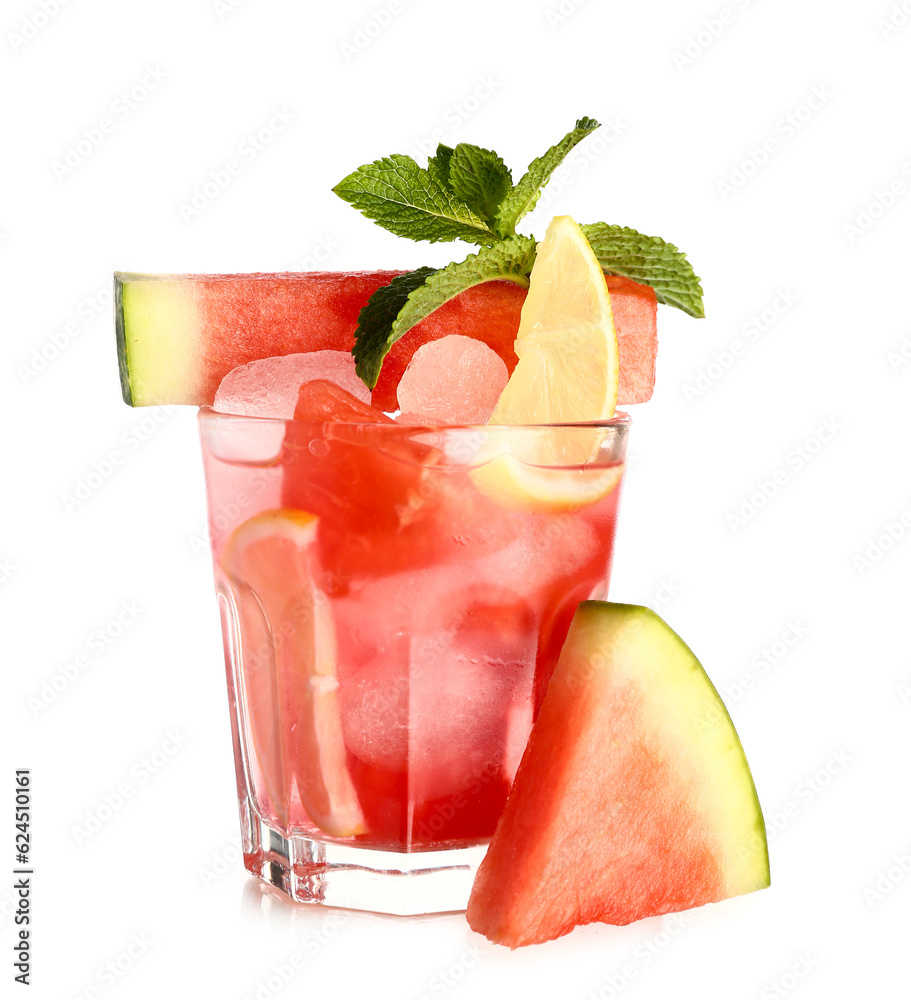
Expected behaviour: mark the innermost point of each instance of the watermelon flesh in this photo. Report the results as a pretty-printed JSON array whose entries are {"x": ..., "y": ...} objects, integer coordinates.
[
  {"x": 359, "y": 483},
  {"x": 633, "y": 797},
  {"x": 386, "y": 503},
  {"x": 179, "y": 335}
]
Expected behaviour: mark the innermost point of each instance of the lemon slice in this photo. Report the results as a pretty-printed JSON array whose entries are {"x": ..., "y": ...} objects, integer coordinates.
[
  {"x": 517, "y": 485},
  {"x": 567, "y": 374},
  {"x": 287, "y": 657},
  {"x": 567, "y": 344}
]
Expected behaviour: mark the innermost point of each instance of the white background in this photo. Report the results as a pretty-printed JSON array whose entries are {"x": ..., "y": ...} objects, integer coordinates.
[{"x": 687, "y": 97}]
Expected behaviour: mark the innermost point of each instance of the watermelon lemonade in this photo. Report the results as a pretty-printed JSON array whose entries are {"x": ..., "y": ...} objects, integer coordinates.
[
  {"x": 412, "y": 481},
  {"x": 393, "y": 599}
]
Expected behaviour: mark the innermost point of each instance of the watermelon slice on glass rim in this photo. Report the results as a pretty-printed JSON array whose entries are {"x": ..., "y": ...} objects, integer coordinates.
[{"x": 178, "y": 335}]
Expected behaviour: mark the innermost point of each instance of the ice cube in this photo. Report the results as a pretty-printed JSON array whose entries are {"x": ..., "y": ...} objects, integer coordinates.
[
  {"x": 430, "y": 691},
  {"x": 453, "y": 380},
  {"x": 463, "y": 687},
  {"x": 549, "y": 555},
  {"x": 269, "y": 387}
]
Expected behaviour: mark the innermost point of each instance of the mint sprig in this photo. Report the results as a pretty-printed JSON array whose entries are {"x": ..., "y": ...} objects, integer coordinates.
[
  {"x": 466, "y": 193},
  {"x": 419, "y": 293}
]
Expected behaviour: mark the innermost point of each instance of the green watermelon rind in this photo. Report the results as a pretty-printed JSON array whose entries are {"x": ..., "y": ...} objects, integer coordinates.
[
  {"x": 158, "y": 338},
  {"x": 120, "y": 326}
]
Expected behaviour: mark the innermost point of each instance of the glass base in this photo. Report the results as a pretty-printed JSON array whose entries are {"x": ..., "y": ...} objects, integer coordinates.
[{"x": 357, "y": 878}]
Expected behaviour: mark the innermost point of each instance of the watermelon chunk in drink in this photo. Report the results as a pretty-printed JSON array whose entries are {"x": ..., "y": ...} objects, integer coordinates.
[
  {"x": 382, "y": 491},
  {"x": 333, "y": 467}
]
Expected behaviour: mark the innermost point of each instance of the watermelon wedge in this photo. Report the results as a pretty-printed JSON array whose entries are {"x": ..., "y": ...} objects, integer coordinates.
[
  {"x": 179, "y": 335},
  {"x": 634, "y": 797}
]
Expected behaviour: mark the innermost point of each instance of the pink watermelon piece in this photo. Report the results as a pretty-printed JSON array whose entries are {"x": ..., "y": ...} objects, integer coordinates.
[
  {"x": 179, "y": 335},
  {"x": 633, "y": 798},
  {"x": 362, "y": 486},
  {"x": 635, "y": 319}
]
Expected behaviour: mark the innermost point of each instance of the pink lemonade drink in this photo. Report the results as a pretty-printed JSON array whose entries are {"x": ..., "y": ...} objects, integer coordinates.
[{"x": 393, "y": 601}]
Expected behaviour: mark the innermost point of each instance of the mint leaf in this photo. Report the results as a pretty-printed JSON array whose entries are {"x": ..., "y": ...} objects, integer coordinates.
[
  {"x": 510, "y": 259},
  {"x": 438, "y": 164},
  {"x": 524, "y": 196},
  {"x": 410, "y": 201},
  {"x": 419, "y": 293},
  {"x": 650, "y": 260},
  {"x": 374, "y": 322},
  {"x": 480, "y": 178}
]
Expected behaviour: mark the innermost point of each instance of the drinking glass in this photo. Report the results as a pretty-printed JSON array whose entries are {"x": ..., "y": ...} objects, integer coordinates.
[{"x": 394, "y": 599}]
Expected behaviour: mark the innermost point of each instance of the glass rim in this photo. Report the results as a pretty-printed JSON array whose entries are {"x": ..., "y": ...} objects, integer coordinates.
[{"x": 619, "y": 420}]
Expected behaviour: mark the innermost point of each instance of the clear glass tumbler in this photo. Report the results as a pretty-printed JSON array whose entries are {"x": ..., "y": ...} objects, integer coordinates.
[{"x": 394, "y": 599}]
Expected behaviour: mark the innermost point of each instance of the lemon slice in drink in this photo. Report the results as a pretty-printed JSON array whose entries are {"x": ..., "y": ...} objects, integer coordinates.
[
  {"x": 519, "y": 485},
  {"x": 288, "y": 668},
  {"x": 567, "y": 374}
]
